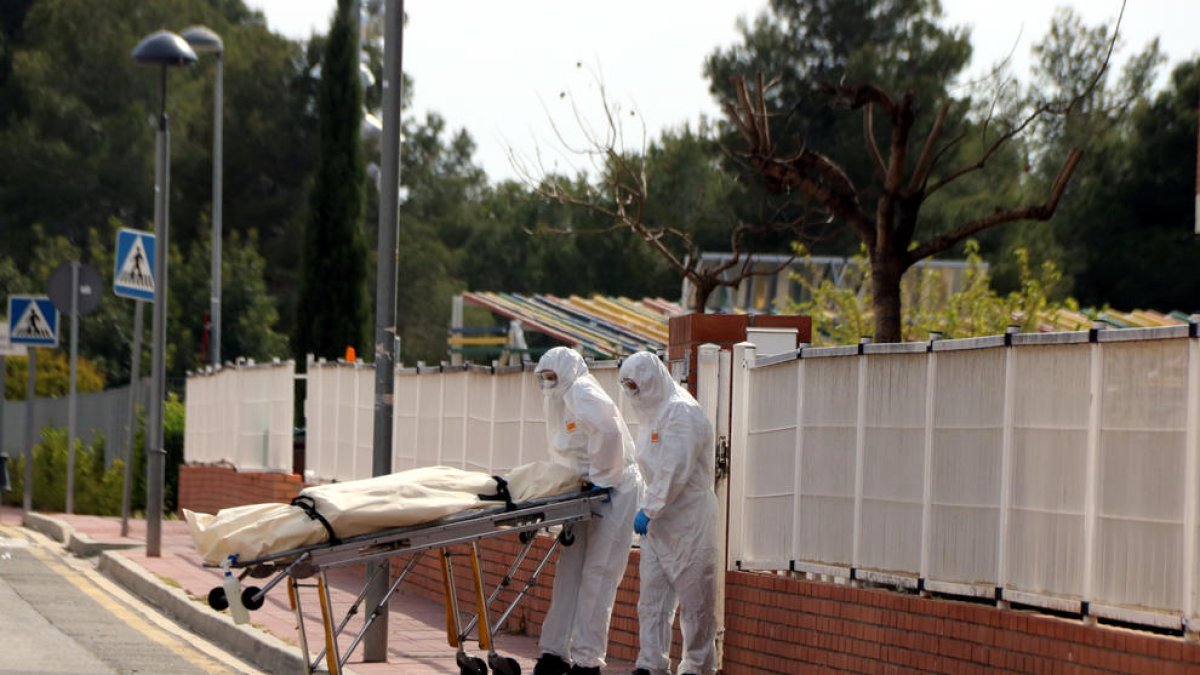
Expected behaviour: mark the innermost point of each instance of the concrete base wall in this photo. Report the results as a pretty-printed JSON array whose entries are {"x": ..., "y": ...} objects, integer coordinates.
[{"x": 778, "y": 623}]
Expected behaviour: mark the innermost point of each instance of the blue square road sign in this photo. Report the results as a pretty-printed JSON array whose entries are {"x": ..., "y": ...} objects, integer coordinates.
[
  {"x": 133, "y": 276},
  {"x": 32, "y": 321}
]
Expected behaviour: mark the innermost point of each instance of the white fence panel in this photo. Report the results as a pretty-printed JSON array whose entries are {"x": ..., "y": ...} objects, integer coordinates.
[
  {"x": 241, "y": 415},
  {"x": 965, "y": 466},
  {"x": 827, "y": 471},
  {"x": 770, "y": 494},
  {"x": 1045, "y": 545},
  {"x": 1141, "y": 474},
  {"x": 893, "y": 464},
  {"x": 405, "y": 420}
]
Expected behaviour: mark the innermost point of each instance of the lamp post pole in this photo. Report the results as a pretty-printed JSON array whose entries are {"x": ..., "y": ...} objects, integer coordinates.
[
  {"x": 204, "y": 40},
  {"x": 163, "y": 49},
  {"x": 375, "y": 644}
]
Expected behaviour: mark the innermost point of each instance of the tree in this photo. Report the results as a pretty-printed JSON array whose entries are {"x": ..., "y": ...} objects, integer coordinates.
[
  {"x": 332, "y": 312},
  {"x": 915, "y": 162},
  {"x": 670, "y": 222}
]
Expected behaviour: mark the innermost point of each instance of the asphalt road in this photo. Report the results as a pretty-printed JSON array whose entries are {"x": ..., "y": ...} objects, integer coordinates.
[{"x": 58, "y": 615}]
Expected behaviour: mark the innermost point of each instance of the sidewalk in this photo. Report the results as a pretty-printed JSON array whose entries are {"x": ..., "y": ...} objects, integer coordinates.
[{"x": 178, "y": 584}]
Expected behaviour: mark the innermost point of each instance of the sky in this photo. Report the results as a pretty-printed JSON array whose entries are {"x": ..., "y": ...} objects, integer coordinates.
[{"x": 513, "y": 73}]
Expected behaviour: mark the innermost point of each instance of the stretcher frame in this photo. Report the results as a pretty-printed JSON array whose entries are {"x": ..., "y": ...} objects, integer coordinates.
[{"x": 470, "y": 527}]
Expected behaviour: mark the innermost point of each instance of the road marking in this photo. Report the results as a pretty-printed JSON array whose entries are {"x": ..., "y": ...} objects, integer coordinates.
[{"x": 119, "y": 610}]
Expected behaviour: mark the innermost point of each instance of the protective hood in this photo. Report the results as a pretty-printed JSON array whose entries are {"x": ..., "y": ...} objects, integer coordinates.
[
  {"x": 655, "y": 385},
  {"x": 567, "y": 364}
]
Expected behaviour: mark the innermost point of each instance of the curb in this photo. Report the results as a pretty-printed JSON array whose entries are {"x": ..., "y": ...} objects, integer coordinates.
[
  {"x": 264, "y": 650},
  {"x": 259, "y": 648},
  {"x": 78, "y": 544}
]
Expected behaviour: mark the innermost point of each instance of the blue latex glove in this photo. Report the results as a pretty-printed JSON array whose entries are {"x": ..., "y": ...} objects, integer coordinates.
[
  {"x": 607, "y": 498},
  {"x": 641, "y": 522}
]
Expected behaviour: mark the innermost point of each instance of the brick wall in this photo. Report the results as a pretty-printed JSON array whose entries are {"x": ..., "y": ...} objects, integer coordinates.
[
  {"x": 775, "y": 623},
  {"x": 208, "y": 489}
]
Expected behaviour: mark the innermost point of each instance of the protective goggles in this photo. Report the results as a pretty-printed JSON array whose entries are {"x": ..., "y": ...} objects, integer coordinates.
[
  {"x": 546, "y": 379},
  {"x": 630, "y": 387}
]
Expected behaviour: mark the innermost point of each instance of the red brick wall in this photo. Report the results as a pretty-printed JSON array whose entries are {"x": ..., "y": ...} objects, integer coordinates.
[
  {"x": 208, "y": 489},
  {"x": 778, "y": 624}
]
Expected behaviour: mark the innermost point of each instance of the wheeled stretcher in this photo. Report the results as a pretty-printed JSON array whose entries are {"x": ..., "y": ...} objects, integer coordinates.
[{"x": 522, "y": 520}]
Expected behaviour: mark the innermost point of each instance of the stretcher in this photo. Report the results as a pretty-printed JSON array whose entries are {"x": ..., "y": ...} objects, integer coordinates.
[{"x": 522, "y": 520}]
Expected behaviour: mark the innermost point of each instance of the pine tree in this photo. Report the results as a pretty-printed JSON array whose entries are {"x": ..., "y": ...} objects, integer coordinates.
[{"x": 332, "y": 312}]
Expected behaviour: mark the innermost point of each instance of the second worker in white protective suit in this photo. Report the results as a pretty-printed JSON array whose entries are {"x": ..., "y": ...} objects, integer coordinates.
[
  {"x": 586, "y": 432},
  {"x": 677, "y": 520}
]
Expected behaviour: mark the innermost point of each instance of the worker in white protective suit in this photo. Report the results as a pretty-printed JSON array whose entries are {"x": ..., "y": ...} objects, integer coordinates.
[
  {"x": 586, "y": 432},
  {"x": 677, "y": 520}
]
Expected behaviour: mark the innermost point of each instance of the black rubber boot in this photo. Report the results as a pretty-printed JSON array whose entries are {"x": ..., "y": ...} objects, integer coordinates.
[
  {"x": 641, "y": 671},
  {"x": 551, "y": 664},
  {"x": 584, "y": 670}
]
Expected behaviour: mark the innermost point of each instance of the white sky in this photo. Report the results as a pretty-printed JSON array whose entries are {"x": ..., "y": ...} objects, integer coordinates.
[{"x": 498, "y": 69}]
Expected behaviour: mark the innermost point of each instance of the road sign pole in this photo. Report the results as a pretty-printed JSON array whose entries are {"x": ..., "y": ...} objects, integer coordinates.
[
  {"x": 71, "y": 395},
  {"x": 30, "y": 393},
  {"x": 3, "y": 383},
  {"x": 134, "y": 374}
]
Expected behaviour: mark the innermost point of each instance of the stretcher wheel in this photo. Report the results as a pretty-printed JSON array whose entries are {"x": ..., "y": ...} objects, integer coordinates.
[
  {"x": 248, "y": 597},
  {"x": 567, "y": 538},
  {"x": 502, "y": 665},
  {"x": 217, "y": 599},
  {"x": 471, "y": 665}
]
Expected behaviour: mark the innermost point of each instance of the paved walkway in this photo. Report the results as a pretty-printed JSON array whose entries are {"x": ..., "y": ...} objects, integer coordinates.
[{"x": 178, "y": 584}]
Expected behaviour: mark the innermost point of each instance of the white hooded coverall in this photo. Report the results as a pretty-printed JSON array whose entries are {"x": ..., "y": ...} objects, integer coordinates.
[
  {"x": 679, "y": 550},
  {"x": 586, "y": 432}
]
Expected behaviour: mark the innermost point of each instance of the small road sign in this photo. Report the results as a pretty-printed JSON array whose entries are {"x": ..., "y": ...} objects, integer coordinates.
[
  {"x": 88, "y": 285},
  {"x": 7, "y": 348},
  {"x": 32, "y": 321},
  {"x": 134, "y": 273}
]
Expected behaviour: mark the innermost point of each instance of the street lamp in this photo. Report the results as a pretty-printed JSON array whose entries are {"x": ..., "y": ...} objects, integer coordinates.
[
  {"x": 163, "y": 49},
  {"x": 204, "y": 40}
]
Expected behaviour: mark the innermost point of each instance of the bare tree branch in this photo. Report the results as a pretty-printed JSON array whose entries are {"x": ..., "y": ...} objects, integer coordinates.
[
  {"x": 1042, "y": 211},
  {"x": 869, "y": 133}
]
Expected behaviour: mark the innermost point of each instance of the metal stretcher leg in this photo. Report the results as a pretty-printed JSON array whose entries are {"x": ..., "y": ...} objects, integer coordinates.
[
  {"x": 500, "y": 664},
  {"x": 293, "y": 589},
  {"x": 467, "y": 664},
  {"x": 375, "y": 611},
  {"x": 332, "y": 658}
]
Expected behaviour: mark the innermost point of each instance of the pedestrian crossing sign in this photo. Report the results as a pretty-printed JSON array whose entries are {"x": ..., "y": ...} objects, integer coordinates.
[
  {"x": 134, "y": 273},
  {"x": 32, "y": 321}
]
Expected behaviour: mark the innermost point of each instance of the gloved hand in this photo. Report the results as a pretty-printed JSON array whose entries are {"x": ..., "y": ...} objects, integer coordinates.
[
  {"x": 641, "y": 522},
  {"x": 597, "y": 488}
]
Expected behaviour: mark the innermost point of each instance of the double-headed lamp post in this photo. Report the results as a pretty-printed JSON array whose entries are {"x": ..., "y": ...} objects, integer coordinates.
[
  {"x": 204, "y": 40},
  {"x": 159, "y": 49}
]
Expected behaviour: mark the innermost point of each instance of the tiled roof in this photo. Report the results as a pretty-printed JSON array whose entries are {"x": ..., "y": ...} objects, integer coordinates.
[{"x": 604, "y": 325}]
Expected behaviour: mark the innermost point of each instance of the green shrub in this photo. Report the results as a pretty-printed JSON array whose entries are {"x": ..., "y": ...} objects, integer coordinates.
[
  {"x": 97, "y": 489},
  {"x": 841, "y": 314}
]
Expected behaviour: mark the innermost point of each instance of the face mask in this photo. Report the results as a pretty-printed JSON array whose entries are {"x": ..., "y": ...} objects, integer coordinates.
[{"x": 546, "y": 380}]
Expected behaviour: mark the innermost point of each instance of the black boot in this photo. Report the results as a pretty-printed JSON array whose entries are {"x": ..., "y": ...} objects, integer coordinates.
[
  {"x": 584, "y": 670},
  {"x": 641, "y": 671},
  {"x": 550, "y": 664}
]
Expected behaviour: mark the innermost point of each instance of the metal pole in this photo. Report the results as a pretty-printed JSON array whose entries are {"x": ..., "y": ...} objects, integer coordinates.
[
  {"x": 3, "y": 384},
  {"x": 71, "y": 395},
  {"x": 134, "y": 374},
  {"x": 30, "y": 394},
  {"x": 154, "y": 460},
  {"x": 375, "y": 642},
  {"x": 215, "y": 306}
]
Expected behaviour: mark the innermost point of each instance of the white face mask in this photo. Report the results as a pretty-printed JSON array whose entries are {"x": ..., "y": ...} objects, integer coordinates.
[{"x": 546, "y": 380}]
